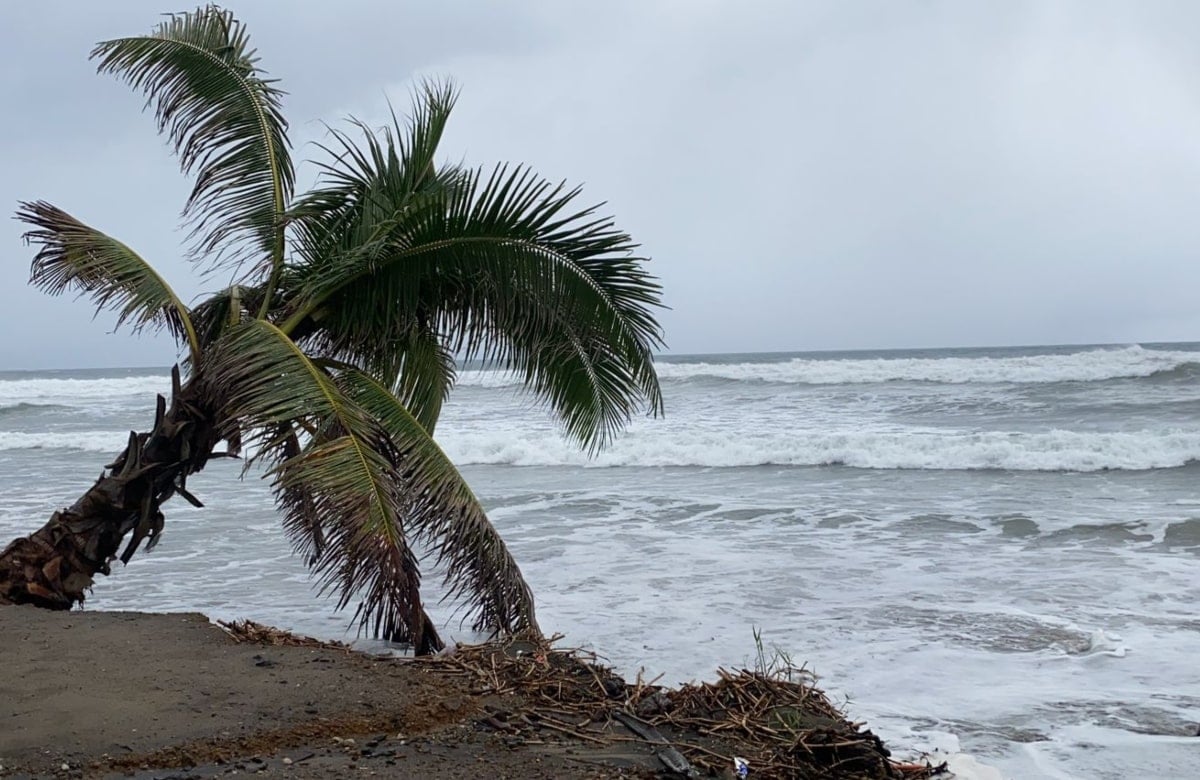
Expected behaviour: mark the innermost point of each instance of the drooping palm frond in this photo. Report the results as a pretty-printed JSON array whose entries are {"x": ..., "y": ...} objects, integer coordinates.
[
  {"x": 329, "y": 223},
  {"x": 223, "y": 117},
  {"x": 358, "y": 550},
  {"x": 301, "y": 518},
  {"x": 424, "y": 374},
  {"x": 347, "y": 472},
  {"x": 448, "y": 516},
  {"x": 505, "y": 266},
  {"x": 72, "y": 255}
]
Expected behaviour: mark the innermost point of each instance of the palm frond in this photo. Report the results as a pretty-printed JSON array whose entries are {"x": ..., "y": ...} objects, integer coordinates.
[
  {"x": 72, "y": 255},
  {"x": 447, "y": 515},
  {"x": 358, "y": 548},
  {"x": 399, "y": 167},
  {"x": 403, "y": 154},
  {"x": 424, "y": 374},
  {"x": 223, "y": 117},
  {"x": 520, "y": 277},
  {"x": 347, "y": 472},
  {"x": 301, "y": 520}
]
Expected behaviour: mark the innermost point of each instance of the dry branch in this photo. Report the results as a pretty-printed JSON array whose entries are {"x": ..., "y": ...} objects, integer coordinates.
[{"x": 778, "y": 720}]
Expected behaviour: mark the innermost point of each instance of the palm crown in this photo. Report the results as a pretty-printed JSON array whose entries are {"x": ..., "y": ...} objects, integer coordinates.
[{"x": 329, "y": 356}]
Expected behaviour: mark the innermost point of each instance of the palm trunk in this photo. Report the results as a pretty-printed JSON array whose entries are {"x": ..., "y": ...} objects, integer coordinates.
[
  {"x": 422, "y": 634},
  {"x": 54, "y": 566}
]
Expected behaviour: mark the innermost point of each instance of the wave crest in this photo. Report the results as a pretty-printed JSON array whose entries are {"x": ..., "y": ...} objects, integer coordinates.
[
  {"x": 12, "y": 410},
  {"x": 1093, "y": 365},
  {"x": 71, "y": 391},
  {"x": 85, "y": 441},
  {"x": 924, "y": 450},
  {"x": 918, "y": 450}
]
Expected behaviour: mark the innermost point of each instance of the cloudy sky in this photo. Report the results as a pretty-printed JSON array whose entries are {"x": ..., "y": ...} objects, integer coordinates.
[{"x": 805, "y": 175}]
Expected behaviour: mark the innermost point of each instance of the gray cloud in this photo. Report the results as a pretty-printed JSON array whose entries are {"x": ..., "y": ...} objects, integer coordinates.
[{"x": 805, "y": 175}]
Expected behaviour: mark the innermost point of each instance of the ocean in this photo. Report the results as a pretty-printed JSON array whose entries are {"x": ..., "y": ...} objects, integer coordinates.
[{"x": 989, "y": 552}]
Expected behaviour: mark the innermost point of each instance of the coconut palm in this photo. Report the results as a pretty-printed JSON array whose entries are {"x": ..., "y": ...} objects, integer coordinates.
[{"x": 327, "y": 359}]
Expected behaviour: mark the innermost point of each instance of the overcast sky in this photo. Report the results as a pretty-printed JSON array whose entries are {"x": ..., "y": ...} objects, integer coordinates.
[{"x": 805, "y": 175}]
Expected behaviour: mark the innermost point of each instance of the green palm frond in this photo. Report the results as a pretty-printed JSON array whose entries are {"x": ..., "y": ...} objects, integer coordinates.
[
  {"x": 418, "y": 366},
  {"x": 447, "y": 516},
  {"x": 399, "y": 167},
  {"x": 404, "y": 158},
  {"x": 72, "y": 255},
  {"x": 424, "y": 375},
  {"x": 362, "y": 551},
  {"x": 509, "y": 269},
  {"x": 331, "y": 357},
  {"x": 223, "y": 117},
  {"x": 347, "y": 472},
  {"x": 301, "y": 518}
]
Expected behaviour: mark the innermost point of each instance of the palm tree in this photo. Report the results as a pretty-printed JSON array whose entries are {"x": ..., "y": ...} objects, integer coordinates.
[{"x": 327, "y": 359}]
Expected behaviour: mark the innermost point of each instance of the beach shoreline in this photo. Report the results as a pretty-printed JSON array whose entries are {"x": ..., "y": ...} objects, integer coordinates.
[
  {"x": 99, "y": 694},
  {"x": 149, "y": 695}
]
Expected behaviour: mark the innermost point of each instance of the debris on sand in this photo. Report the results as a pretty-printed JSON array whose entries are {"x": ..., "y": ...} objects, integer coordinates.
[
  {"x": 768, "y": 723},
  {"x": 256, "y": 633}
]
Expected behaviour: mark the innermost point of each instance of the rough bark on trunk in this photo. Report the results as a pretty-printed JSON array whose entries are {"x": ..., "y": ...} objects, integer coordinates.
[{"x": 54, "y": 566}]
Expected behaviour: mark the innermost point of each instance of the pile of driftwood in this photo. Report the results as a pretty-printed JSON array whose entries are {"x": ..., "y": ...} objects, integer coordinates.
[
  {"x": 258, "y": 634},
  {"x": 768, "y": 723}
]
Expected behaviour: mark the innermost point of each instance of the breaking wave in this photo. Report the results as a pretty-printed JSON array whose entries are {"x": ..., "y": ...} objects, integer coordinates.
[
  {"x": 696, "y": 447},
  {"x": 67, "y": 391},
  {"x": 1093, "y": 365},
  {"x": 1089, "y": 365},
  {"x": 14, "y": 410},
  {"x": 109, "y": 442},
  {"x": 1051, "y": 451}
]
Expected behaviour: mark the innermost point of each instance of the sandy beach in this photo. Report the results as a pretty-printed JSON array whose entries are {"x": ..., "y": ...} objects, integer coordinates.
[
  {"x": 113, "y": 694},
  {"x": 175, "y": 696}
]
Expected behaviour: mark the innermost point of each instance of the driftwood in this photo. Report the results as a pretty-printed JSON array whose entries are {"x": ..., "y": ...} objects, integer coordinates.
[
  {"x": 243, "y": 631},
  {"x": 775, "y": 719}
]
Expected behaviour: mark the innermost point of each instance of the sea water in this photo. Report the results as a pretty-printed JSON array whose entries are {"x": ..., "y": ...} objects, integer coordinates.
[{"x": 993, "y": 552}]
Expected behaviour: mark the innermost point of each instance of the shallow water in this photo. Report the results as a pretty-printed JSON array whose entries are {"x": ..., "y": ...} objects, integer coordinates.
[{"x": 1005, "y": 564}]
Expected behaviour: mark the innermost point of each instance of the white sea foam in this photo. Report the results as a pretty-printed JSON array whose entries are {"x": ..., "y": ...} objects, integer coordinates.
[
  {"x": 85, "y": 441},
  {"x": 488, "y": 378},
  {"x": 1101, "y": 643},
  {"x": 67, "y": 391},
  {"x": 1085, "y": 366},
  {"x": 964, "y": 766},
  {"x": 919, "y": 596},
  {"x": 692, "y": 440},
  {"x": 909, "y": 449}
]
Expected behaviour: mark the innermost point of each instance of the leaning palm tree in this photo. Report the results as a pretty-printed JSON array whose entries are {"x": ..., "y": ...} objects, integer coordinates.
[{"x": 327, "y": 359}]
